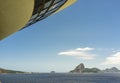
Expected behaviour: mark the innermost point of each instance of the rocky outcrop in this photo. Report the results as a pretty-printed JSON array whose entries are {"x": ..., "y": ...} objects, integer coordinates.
[{"x": 79, "y": 69}]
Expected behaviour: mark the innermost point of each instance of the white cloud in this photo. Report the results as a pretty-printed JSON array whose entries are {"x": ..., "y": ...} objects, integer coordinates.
[
  {"x": 85, "y": 49},
  {"x": 113, "y": 59},
  {"x": 79, "y": 53}
]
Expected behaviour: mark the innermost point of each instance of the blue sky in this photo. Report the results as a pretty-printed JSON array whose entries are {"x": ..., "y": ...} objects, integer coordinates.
[{"x": 86, "y": 32}]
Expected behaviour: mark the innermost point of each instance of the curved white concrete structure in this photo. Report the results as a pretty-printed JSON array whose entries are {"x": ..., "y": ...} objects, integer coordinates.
[{"x": 18, "y": 14}]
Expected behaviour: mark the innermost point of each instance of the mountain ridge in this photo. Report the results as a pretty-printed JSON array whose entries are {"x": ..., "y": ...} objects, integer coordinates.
[{"x": 81, "y": 69}]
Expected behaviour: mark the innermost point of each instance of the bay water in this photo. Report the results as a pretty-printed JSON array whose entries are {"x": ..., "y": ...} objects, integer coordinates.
[{"x": 60, "y": 78}]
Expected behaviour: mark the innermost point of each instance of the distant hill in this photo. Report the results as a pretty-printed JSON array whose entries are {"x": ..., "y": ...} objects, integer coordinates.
[
  {"x": 81, "y": 69},
  {"x": 111, "y": 70},
  {"x": 91, "y": 70},
  {"x": 9, "y": 71}
]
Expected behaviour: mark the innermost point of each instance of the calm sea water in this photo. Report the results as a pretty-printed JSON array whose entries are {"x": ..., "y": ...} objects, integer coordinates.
[{"x": 60, "y": 78}]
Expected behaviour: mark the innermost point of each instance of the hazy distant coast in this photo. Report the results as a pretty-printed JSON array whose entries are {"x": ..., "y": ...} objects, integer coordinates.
[{"x": 79, "y": 69}]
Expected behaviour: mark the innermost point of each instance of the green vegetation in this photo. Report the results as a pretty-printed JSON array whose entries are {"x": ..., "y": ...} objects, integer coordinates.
[
  {"x": 12, "y": 71},
  {"x": 9, "y": 71},
  {"x": 93, "y": 70}
]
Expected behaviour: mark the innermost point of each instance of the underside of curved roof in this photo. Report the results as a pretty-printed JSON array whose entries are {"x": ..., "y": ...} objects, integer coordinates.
[{"x": 19, "y": 14}]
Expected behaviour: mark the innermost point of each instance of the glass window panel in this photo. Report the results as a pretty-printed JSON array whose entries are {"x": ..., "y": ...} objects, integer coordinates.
[
  {"x": 53, "y": 10},
  {"x": 52, "y": 7},
  {"x": 47, "y": 4},
  {"x": 42, "y": 12},
  {"x": 34, "y": 16},
  {"x": 56, "y": 1},
  {"x": 37, "y": 16},
  {"x": 57, "y": 4},
  {"x": 60, "y": 3}
]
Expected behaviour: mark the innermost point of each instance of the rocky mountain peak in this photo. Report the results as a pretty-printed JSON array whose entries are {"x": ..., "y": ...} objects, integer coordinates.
[{"x": 79, "y": 69}]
